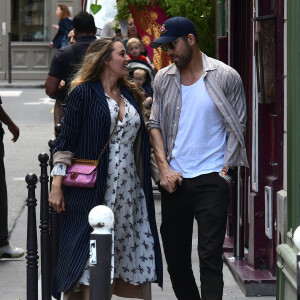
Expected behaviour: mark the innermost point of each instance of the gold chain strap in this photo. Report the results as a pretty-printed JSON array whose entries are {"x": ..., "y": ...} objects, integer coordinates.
[{"x": 110, "y": 137}]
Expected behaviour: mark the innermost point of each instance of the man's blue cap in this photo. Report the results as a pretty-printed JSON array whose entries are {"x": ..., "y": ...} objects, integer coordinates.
[{"x": 174, "y": 28}]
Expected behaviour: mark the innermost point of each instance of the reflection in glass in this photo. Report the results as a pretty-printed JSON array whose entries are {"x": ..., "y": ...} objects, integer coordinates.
[{"x": 28, "y": 20}]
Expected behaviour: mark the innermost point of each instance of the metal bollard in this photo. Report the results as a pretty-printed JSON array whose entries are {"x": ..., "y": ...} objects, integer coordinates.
[
  {"x": 32, "y": 257},
  {"x": 51, "y": 144},
  {"x": 54, "y": 216},
  {"x": 296, "y": 239},
  {"x": 57, "y": 130},
  {"x": 45, "y": 227},
  {"x": 101, "y": 218}
]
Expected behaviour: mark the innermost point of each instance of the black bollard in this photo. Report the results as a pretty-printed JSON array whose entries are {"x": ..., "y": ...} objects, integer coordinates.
[
  {"x": 45, "y": 227},
  {"x": 57, "y": 129},
  {"x": 32, "y": 252},
  {"x": 51, "y": 144},
  {"x": 54, "y": 216}
]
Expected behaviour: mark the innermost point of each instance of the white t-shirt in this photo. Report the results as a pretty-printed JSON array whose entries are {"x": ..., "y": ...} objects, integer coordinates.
[{"x": 201, "y": 138}]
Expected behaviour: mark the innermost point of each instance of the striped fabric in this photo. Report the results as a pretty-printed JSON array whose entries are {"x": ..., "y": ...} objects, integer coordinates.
[
  {"x": 85, "y": 130},
  {"x": 225, "y": 87}
]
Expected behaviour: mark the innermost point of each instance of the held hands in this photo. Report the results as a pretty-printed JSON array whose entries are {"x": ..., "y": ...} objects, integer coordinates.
[{"x": 170, "y": 179}]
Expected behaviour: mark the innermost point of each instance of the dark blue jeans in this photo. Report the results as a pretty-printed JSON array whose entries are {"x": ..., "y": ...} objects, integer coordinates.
[
  {"x": 206, "y": 199},
  {"x": 3, "y": 199}
]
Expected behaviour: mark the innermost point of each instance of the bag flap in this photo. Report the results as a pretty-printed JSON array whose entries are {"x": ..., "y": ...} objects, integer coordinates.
[{"x": 82, "y": 169}]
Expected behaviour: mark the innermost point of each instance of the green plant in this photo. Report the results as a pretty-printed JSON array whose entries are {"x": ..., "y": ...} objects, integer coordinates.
[{"x": 200, "y": 12}]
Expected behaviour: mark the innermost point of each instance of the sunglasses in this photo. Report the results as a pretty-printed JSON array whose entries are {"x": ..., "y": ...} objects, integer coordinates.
[{"x": 170, "y": 45}]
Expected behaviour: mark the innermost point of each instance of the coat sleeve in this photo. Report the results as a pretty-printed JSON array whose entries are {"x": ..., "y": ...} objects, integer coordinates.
[
  {"x": 154, "y": 121},
  {"x": 237, "y": 100},
  {"x": 72, "y": 121}
]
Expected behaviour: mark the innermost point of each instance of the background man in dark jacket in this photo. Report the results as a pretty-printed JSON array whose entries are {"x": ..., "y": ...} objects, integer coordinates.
[
  {"x": 65, "y": 60},
  {"x": 6, "y": 250}
]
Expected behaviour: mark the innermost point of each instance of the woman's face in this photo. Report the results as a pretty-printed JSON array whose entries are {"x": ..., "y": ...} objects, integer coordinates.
[
  {"x": 131, "y": 28},
  {"x": 118, "y": 64},
  {"x": 58, "y": 11}
]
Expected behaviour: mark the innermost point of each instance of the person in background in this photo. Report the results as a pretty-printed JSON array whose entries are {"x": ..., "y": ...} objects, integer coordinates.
[
  {"x": 133, "y": 33},
  {"x": 66, "y": 61},
  {"x": 140, "y": 78},
  {"x": 71, "y": 39},
  {"x": 63, "y": 28},
  {"x": 6, "y": 250},
  {"x": 110, "y": 28},
  {"x": 196, "y": 128},
  {"x": 114, "y": 28},
  {"x": 105, "y": 108},
  {"x": 134, "y": 48},
  {"x": 58, "y": 107}
]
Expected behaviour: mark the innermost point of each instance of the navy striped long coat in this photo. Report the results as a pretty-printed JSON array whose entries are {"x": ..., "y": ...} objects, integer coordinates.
[{"x": 85, "y": 131}]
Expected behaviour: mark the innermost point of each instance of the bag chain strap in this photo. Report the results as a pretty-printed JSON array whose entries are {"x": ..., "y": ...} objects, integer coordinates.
[{"x": 110, "y": 137}]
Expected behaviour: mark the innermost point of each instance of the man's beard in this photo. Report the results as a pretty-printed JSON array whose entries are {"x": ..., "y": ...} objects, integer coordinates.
[{"x": 183, "y": 60}]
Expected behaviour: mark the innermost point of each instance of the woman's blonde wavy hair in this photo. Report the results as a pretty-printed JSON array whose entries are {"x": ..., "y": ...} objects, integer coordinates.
[{"x": 99, "y": 52}]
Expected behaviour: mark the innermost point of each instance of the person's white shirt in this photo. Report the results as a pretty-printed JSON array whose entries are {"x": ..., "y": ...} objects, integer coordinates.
[
  {"x": 200, "y": 142},
  {"x": 109, "y": 28}
]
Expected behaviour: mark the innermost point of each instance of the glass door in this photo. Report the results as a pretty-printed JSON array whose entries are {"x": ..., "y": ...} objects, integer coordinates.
[{"x": 28, "y": 20}]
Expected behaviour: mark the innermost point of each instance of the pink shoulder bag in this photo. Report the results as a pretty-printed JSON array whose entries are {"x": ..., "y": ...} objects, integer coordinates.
[{"x": 83, "y": 172}]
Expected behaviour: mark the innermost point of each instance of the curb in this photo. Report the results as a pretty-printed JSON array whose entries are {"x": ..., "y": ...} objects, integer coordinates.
[{"x": 23, "y": 84}]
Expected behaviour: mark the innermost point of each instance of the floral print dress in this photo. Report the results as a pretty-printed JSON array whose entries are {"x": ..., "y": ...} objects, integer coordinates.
[{"x": 133, "y": 245}]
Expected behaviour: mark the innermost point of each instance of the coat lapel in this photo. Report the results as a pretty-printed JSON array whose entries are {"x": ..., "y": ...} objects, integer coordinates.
[{"x": 98, "y": 90}]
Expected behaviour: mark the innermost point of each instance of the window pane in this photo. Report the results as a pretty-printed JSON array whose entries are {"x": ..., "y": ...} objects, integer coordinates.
[{"x": 27, "y": 22}]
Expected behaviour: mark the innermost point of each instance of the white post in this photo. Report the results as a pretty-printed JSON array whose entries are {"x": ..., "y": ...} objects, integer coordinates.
[
  {"x": 101, "y": 218},
  {"x": 296, "y": 239}
]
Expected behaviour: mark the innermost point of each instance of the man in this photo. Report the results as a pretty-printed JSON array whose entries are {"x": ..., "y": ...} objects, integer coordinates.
[
  {"x": 66, "y": 59},
  {"x": 196, "y": 129},
  {"x": 6, "y": 250},
  {"x": 71, "y": 39}
]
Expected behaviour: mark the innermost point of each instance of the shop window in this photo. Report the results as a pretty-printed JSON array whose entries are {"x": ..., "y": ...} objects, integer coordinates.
[
  {"x": 28, "y": 20},
  {"x": 265, "y": 52}
]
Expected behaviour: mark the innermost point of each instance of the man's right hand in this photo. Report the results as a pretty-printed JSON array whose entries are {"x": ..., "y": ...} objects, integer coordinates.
[
  {"x": 14, "y": 129},
  {"x": 170, "y": 179}
]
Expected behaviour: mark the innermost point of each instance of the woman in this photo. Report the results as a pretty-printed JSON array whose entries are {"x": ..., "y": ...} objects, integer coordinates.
[
  {"x": 132, "y": 33},
  {"x": 101, "y": 97},
  {"x": 65, "y": 25}
]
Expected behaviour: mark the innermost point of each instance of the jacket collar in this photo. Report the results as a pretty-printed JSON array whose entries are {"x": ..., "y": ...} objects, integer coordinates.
[
  {"x": 100, "y": 94},
  {"x": 208, "y": 65}
]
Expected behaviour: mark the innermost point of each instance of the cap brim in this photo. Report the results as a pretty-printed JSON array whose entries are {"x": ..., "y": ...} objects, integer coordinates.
[{"x": 163, "y": 40}]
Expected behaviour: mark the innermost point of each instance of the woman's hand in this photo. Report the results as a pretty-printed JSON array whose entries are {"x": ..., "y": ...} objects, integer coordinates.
[
  {"x": 56, "y": 197},
  {"x": 55, "y": 26}
]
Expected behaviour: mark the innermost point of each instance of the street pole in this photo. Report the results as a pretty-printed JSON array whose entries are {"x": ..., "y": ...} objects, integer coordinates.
[
  {"x": 101, "y": 218},
  {"x": 9, "y": 57},
  {"x": 32, "y": 248},
  {"x": 45, "y": 227},
  {"x": 238, "y": 249},
  {"x": 296, "y": 239}
]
